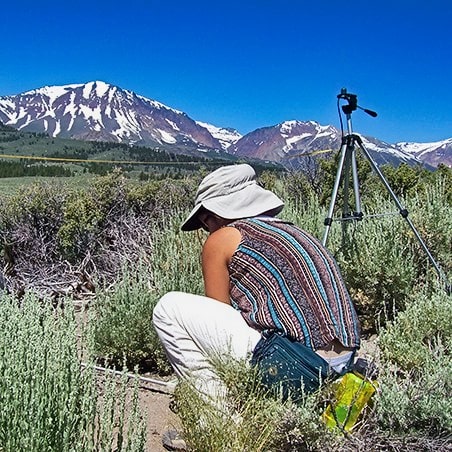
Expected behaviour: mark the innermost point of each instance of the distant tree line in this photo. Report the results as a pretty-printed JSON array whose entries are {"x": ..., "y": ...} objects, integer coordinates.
[
  {"x": 5, "y": 128},
  {"x": 24, "y": 168},
  {"x": 71, "y": 153}
]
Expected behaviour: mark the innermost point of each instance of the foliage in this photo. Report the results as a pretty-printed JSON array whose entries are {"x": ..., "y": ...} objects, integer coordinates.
[
  {"x": 122, "y": 324},
  {"x": 90, "y": 232},
  {"x": 378, "y": 269},
  {"x": 81, "y": 219},
  {"x": 431, "y": 215},
  {"x": 404, "y": 180},
  {"x": 420, "y": 332},
  {"x": 47, "y": 401},
  {"x": 250, "y": 420},
  {"x": 29, "y": 222},
  {"x": 116, "y": 223},
  {"x": 26, "y": 168},
  {"x": 176, "y": 263},
  {"x": 416, "y": 374}
]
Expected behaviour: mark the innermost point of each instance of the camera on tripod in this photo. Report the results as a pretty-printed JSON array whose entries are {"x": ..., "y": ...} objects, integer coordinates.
[
  {"x": 347, "y": 167},
  {"x": 352, "y": 100}
]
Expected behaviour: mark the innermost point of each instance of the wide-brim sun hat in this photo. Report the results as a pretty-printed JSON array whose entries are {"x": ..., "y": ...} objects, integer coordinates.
[{"x": 232, "y": 192}]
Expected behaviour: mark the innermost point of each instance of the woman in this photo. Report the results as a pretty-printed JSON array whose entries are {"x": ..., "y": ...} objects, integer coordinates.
[{"x": 261, "y": 275}]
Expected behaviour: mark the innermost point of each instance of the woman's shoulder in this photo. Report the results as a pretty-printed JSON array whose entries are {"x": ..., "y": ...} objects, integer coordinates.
[{"x": 223, "y": 241}]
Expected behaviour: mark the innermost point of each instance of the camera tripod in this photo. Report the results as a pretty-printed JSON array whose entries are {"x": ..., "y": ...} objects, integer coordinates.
[{"x": 347, "y": 165}]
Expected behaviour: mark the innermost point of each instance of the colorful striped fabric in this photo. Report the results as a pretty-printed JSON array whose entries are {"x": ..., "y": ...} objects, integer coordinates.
[{"x": 282, "y": 278}]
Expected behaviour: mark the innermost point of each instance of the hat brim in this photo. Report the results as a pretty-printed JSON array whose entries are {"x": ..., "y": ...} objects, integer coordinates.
[{"x": 252, "y": 201}]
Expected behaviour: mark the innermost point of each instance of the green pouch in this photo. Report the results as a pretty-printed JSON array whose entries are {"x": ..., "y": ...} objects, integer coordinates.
[{"x": 288, "y": 367}]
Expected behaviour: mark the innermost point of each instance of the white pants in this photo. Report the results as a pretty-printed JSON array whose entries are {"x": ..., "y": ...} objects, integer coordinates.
[{"x": 193, "y": 329}]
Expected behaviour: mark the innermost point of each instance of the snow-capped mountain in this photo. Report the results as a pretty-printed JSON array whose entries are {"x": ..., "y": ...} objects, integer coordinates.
[
  {"x": 431, "y": 153},
  {"x": 103, "y": 112},
  {"x": 292, "y": 141},
  {"x": 279, "y": 142},
  {"x": 226, "y": 136}
]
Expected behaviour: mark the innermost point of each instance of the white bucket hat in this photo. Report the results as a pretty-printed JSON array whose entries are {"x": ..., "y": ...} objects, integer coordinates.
[{"x": 232, "y": 192}]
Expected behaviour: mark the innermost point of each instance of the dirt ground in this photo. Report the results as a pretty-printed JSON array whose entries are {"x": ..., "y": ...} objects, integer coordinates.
[{"x": 155, "y": 406}]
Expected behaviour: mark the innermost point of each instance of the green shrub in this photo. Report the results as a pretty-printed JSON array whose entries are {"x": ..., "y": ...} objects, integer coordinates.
[
  {"x": 419, "y": 334},
  {"x": 81, "y": 220},
  {"x": 29, "y": 222},
  {"x": 307, "y": 214},
  {"x": 252, "y": 421},
  {"x": 416, "y": 379},
  {"x": 378, "y": 269},
  {"x": 431, "y": 215},
  {"x": 122, "y": 323},
  {"x": 47, "y": 401},
  {"x": 176, "y": 258},
  {"x": 123, "y": 316}
]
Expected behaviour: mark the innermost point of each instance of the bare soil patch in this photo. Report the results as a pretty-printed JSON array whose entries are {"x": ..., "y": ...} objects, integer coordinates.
[{"x": 159, "y": 417}]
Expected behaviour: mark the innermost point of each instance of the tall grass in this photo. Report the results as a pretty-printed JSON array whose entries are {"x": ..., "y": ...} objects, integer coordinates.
[{"x": 48, "y": 402}]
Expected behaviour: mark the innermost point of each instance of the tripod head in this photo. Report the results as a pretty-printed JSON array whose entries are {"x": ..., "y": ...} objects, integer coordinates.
[{"x": 352, "y": 105}]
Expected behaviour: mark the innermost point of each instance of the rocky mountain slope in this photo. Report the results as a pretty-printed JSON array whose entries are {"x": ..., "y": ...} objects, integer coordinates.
[
  {"x": 292, "y": 141},
  {"x": 101, "y": 112}
]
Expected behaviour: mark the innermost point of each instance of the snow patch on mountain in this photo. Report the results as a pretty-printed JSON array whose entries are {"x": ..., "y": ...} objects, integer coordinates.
[
  {"x": 166, "y": 137},
  {"x": 226, "y": 136},
  {"x": 433, "y": 153},
  {"x": 420, "y": 149}
]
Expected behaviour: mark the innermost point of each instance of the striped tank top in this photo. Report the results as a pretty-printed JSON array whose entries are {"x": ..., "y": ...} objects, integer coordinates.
[{"x": 283, "y": 279}]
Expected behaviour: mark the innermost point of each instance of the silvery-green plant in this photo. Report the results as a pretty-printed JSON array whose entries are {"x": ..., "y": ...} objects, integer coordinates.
[
  {"x": 122, "y": 316},
  {"x": 416, "y": 378},
  {"x": 121, "y": 322},
  {"x": 249, "y": 418},
  {"x": 48, "y": 401}
]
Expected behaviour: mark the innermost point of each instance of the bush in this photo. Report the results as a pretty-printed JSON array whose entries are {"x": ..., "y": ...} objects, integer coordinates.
[
  {"x": 47, "y": 401},
  {"x": 252, "y": 420},
  {"x": 417, "y": 368},
  {"x": 123, "y": 316},
  {"x": 431, "y": 215},
  {"x": 65, "y": 237},
  {"x": 176, "y": 258},
  {"x": 122, "y": 324},
  {"x": 378, "y": 268},
  {"x": 29, "y": 222}
]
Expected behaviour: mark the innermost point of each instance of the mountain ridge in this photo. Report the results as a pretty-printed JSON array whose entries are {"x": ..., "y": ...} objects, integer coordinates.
[{"x": 98, "y": 111}]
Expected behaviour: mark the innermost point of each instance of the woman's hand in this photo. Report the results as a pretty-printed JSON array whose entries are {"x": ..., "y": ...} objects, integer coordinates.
[{"x": 216, "y": 256}]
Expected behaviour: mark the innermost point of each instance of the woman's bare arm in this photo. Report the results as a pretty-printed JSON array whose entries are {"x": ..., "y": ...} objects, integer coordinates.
[{"x": 216, "y": 255}]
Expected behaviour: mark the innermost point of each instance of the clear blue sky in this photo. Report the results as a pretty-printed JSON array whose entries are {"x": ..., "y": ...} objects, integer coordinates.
[{"x": 246, "y": 64}]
